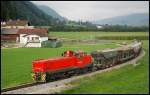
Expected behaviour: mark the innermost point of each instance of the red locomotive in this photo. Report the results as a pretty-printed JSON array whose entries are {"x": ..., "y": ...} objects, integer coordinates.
[{"x": 68, "y": 64}]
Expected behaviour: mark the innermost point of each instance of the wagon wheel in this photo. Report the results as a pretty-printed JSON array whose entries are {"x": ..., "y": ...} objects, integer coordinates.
[
  {"x": 33, "y": 77},
  {"x": 95, "y": 69}
]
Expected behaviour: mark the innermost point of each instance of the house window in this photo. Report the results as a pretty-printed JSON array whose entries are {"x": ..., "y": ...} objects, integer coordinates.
[
  {"x": 36, "y": 38},
  {"x": 32, "y": 38},
  {"x": 28, "y": 38}
]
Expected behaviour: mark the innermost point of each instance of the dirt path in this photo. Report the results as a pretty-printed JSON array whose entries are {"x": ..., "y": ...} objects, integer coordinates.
[{"x": 57, "y": 86}]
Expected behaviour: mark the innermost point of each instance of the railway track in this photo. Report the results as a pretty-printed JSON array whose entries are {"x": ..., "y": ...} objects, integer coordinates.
[
  {"x": 34, "y": 84},
  {"x": 37, "y": 84},
  {"x": 19, "y": 86}
]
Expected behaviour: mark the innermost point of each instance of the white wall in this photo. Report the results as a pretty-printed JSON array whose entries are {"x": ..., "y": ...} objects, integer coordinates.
[
  {"x": 33, "y": 45},
  {"x": 99, "y": 27},
  {"x": 30, "y": 27},
  {"x": 23, "y": 40},
  {"x": 43, "y": 39}
]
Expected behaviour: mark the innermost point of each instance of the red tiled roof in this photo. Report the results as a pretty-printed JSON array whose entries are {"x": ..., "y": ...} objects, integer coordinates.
[{"x": 40, "y": 32}]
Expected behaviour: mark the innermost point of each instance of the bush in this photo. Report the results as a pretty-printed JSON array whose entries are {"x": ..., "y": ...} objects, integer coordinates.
[{"x": 51, "y": 44}]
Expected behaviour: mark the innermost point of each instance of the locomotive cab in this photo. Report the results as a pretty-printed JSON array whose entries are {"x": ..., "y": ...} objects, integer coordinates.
[
  {"x": 68, "y": 53},
  {"x": 80, "y": 54}
]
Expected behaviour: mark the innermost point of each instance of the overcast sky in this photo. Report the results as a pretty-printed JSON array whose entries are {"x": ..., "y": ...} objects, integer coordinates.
[{"x": 95, "y": 10}]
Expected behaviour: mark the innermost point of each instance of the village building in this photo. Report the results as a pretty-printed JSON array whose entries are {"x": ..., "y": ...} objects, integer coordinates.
[
  {"x": 32, "y": 37},
  {"x": 16, "y": 24},
  {"x": 99, "y": 26},
  {"x": 21, "y": 32},
  {"x": 9, "y": 35}
]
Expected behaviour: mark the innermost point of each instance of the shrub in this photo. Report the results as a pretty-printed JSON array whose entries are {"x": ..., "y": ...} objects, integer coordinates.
[{"x": 51, "y": 44}]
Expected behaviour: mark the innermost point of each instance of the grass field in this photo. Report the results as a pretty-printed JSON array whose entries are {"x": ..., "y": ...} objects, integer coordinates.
[
  {"x": 93, "y": 35},
  {"x": 16, "y": 63},
  {"x": 128, "y": 79}
]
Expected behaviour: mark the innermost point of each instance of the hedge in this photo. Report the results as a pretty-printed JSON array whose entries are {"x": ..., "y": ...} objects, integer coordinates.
[{"x": 122, "y": 37}]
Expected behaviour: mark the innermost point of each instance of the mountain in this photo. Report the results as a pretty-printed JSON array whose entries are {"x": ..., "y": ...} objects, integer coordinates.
[
  {"x": 25, "y": 10},
  {"x": 49, "y": 11},
  {"x": 137, "y": 19}
]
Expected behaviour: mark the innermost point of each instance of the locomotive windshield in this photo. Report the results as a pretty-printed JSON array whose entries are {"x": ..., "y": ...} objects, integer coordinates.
[{"x": 68, "y": 53}]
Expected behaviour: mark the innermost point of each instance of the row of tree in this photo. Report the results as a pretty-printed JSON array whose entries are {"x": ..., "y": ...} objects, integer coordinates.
[
  {"x": 125, "y": 28},
  {"x": 92, "y": 27}
]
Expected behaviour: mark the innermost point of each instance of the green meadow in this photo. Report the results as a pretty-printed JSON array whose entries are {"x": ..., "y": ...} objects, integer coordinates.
[
  {"x": 16, "y": 65},
  {"x": 94, "y": 35}
]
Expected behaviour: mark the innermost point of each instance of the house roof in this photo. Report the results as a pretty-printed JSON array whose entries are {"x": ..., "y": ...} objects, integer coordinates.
[
  {"x": 28, "y": 34},
  {"x": 16, "y": 23},
  {"x": 39, "y": 32},
  {"x": 9, "y": 31}
]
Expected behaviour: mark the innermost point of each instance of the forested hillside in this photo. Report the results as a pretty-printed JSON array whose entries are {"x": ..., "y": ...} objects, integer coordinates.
[
  {"x": 25, "y": 10},
  {"x": 51, "y": 12}
]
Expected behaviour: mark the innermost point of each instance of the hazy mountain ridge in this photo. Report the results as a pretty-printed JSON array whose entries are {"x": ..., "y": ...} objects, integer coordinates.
[
  {"x": 51, "y": 12},
  {"x": 137, "y": 19}
]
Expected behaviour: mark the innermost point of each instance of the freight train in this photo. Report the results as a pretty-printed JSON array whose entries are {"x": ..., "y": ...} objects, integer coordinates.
[{"x": 79, "y": 62}]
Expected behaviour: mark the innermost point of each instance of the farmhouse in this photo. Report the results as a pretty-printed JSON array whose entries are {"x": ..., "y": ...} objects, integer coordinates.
[
  {"x": 9, "y": 35},
  {"x": 17, "y": 24},
  {"x": 32, "y": 37}
]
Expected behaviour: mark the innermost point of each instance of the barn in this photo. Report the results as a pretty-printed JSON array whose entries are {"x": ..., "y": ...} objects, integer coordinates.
[{"x": 9, "y": 35}]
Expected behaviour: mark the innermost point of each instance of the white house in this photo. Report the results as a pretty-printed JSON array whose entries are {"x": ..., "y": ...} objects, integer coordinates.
[
  {"x": 32, "y": 37},
  {"x": 99, "y": 26}
]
